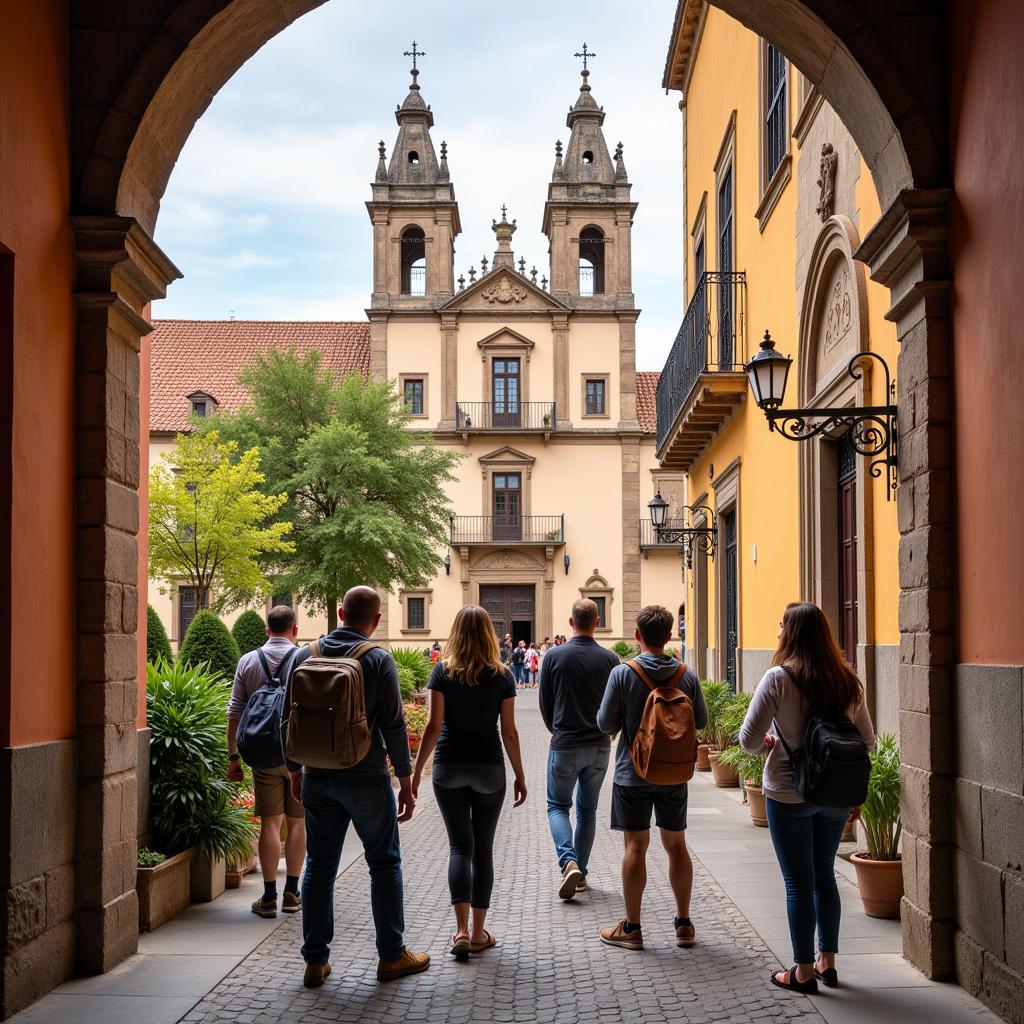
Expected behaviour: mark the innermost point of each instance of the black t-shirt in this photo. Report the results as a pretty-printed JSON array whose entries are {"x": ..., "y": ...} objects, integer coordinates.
[{"x": 469, "y": 733}]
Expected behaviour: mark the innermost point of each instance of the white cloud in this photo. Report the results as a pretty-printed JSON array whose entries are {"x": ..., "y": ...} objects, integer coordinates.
[{"x": 249, "y": 258}]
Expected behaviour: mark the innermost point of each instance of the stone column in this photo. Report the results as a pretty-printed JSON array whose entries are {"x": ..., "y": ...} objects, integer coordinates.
[
  {"x": 907, "y": 252},
  {"x": 627, "y": 371},
  {"x": 560, "y": 366},
  {"x": 120, "y": 270},
  {"x": 630, "y": 532},
  {"x": 449, "y": 369},
  {"x": 378, "y": 344}
]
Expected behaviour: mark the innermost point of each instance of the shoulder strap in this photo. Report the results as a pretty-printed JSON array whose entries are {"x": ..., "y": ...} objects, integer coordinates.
[
  {"x": 265, "y": 664},
  {"x": 782, "y": 740},
  {"x": 314, "y": 649},
  {"x": 360, "y": 649},
  {"x": 641, "y": 672}
]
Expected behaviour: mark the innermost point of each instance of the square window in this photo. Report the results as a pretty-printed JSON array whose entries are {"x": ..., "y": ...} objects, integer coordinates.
[
  {"x": 199, "y": 409},
  {"x": 595, "y": 397},
  {"x": 279, "y": 599},
  {"x": 413, "y": 395},
  {"x": 416, "y": 612}
]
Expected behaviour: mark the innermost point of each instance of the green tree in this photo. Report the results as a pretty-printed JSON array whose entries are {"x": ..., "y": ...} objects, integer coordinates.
[
  {"x": 208, "y": 640},
  {"x": 157, "y": 644},
  {"x": 367, "y": 498},
  {"x": 210, "y": 523},
  {"x": 249, "y": 631}
]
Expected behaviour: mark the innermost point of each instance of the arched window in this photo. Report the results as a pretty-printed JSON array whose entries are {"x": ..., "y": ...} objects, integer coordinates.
[
  {"x": 591, "y": 262},
  {"x": 414, "y": 261},
  {"x": 414, "y": 157},
  {"x": 588, "y": 157}
]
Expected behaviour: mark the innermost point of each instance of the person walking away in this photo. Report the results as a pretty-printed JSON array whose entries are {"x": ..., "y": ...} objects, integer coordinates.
[
  {"x": 274, "y": 803},
  {"x": 809, "y": 677},
  {"x": 622, "y": 710},
  {"x": 360, "y": 795},
  {"x": 506, "y": 651},
  {"x": 533, "y": 663},
  {"x": 435, "y": 653},
  {"x": 472, "y": 701},
  {"x": 519, "y": 663},
  {"x": 572, "y": 682}
]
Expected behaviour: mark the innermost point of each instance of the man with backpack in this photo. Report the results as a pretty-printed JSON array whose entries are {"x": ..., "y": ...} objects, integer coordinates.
[
  {"x": 257, "y": 674},
  {"x": 343, "y": 720},
  {"x": 656, "y": 705}
]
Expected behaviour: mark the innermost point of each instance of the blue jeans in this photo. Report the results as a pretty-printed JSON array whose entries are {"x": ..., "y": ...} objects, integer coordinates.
[
  {"x": 806, "y": 839},
  {"x": 331, "y": 802},
  {"x": 581, "y": 769}
]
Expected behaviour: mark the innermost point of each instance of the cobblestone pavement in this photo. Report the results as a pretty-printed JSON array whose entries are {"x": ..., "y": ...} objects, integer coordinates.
[{"x": 549, "y": 964}]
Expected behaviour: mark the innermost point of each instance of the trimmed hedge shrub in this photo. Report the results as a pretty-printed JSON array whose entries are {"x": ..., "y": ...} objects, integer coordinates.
[
  {"x": 157, "y": 644},
  {"x": 207, "y": 639},
  {"x": 249, "y": 631}
]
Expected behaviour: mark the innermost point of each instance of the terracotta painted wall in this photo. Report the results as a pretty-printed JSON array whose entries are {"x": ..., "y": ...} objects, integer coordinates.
[
  {"x": 987, "y": 139},
  {"x": 34, "y": 201}
]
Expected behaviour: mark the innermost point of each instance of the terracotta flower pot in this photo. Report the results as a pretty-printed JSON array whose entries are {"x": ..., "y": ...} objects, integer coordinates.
[
  {"x": 725, "y": 778},
  {"x": 757, "y": 805},
  {"x": 207, "y": 879},
  {"x": 703, "y": 763},
  {"x": 163, "y": 890},
  {"x": 881, "y": 885}
]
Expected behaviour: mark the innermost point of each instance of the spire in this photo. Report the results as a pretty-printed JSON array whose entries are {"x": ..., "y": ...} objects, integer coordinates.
[
  {"x": 586, "y": 157},
  {"x": 413, "y": 160},
  {"x": 620, "y": 165},
  {"x": 382, "y": 167},
  {"x": 503, "y": 231},
  {"x": 556, "y": 174},
  {"x": 443, "y": 169}
]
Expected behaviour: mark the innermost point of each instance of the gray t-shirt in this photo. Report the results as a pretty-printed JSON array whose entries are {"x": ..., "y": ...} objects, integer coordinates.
[{"x": 623, "y": 704}]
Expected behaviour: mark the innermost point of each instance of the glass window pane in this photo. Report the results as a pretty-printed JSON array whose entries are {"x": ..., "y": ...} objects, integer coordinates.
[{"x": 416, "y": 612}]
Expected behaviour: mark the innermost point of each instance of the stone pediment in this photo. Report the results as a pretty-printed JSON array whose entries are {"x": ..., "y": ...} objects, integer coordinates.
[
  {"x": 506, "y": 455},
  {"x": 506, "y": 558},
  {"x": 503, "y": 291},
  {"x": 504, "y": 338}
]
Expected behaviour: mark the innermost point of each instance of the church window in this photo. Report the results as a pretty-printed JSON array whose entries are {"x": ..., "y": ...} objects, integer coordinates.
[
  {"x": 594, "y": 396},
  {"x": 414, "y": 395},
  {"x": 591, "y": 262},
  {"x": 776, "y": 136},
  {"x": 415, "y": 610},
  {"x": 588, "y": 157},
  {"x": 414, "y": 157},
  {"x": 414, "y": 261}
]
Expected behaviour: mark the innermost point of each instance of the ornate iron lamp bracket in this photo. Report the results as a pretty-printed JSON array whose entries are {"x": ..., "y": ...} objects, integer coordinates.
[
  {"x": 871, "y": 428},
  {"x": 703, "y": 537}
]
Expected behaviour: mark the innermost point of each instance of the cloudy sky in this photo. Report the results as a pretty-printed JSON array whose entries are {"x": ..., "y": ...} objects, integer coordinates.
[{"x": 265, "y": 214}]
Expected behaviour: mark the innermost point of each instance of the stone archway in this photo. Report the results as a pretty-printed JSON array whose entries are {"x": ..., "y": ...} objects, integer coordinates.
[{"x": 131, "y": 117}]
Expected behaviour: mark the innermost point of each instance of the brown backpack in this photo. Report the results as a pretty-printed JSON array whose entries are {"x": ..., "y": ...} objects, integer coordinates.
[
  {"x": 326, "y": 708},
  {"x": 664, "y": 749}
]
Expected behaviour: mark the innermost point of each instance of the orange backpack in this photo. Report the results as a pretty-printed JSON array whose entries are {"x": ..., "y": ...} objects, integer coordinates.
[{"x": 664, "y": 750}]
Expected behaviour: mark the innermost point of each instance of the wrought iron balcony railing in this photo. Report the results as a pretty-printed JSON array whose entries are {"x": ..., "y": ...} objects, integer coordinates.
[
  {"x": 649, "y": 536},
  {"x": 710, "y": 340},
  {"x": 505, "y": 416},
  {"x": 508, "y": 529}
]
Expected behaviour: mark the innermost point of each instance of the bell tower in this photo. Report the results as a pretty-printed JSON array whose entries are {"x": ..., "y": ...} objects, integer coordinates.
[
  {"x": 413, "y": 211},
  {"x": 588, "y": 216}
]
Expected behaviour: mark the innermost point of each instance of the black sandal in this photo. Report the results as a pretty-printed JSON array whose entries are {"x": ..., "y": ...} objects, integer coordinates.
[
  {"x": 828, "y": 977},
  {"x": 807, "y": 988}
]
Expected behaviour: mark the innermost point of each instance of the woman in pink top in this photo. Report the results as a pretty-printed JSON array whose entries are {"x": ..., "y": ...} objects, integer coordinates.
[{"x": 809, "y": 676}]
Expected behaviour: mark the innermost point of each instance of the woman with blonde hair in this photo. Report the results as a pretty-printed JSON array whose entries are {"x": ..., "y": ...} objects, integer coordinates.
[{"x": 471, "y": 694}]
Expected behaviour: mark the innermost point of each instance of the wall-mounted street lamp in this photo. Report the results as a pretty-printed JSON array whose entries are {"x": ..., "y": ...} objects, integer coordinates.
[
  {"x": 870, "y": 428},
  {"x": 566, "y": 562},
  {"x": 448, "y": 564},
  {"x": 704, "y": 537}
]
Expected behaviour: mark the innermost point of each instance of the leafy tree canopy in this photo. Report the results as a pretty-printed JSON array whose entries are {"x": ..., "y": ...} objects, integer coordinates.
[
  {"x": 207, "y": 640},
  {"x": 157, "y": 644},
  {"x": 249, "y": 631},
  {"x": 367, "y": 497},
  {"x": 210, "y": 523}
]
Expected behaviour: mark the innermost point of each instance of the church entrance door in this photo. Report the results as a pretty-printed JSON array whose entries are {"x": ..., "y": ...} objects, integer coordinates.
[{"x": 512, "y": 610}]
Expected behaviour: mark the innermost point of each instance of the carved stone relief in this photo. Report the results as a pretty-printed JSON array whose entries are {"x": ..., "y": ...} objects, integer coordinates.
[
  {"x": 827, "y": 182},
  {"x": 506, "y": 559},
  {"x": 504, "y": 292},
  {"x": 838, "y": 313}
]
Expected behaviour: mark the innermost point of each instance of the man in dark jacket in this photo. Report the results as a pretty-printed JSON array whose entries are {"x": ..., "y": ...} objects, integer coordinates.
[
  {"x": 360, "y": 795},
  {"x": 572, "y": 682}
]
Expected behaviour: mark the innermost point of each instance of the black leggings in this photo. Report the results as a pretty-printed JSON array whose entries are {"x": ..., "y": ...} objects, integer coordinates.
[{"x": 471, "y": 818}]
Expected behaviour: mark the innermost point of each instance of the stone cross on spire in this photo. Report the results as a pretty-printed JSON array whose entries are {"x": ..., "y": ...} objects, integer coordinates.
[
  {"x": 584, "y": 53},
  {"x": 414, "y": 53}
]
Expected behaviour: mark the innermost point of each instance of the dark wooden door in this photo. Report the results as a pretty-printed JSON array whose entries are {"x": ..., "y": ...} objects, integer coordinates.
[
  {"x": 512, "y": 609},
  {"x": 506, "y": 393},
  {"x": 508, "y": 515},
  {"x": 731, "y": 597},
  {"x": 847, "y": 552}
]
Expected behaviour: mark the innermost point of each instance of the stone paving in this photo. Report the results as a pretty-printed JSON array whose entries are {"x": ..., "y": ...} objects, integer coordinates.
[{"x": 549, "y": 965}]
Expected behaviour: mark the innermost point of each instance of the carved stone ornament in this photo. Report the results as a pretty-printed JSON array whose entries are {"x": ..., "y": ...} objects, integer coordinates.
[
  {"x": 839, "y": 310},
  {"x": 504, "y": 292},
  {"x": 505, "y": 559},
  {"x": 827, "y": 182}
]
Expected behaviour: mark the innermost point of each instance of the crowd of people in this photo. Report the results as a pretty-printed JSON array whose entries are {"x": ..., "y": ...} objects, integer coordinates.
[{"x": 347, "y": 685}]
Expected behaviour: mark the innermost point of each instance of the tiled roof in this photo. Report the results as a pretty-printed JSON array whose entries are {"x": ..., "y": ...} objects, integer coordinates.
[
  {"x": 646, "y": 389},
  {"x": 207, "y": 355}
]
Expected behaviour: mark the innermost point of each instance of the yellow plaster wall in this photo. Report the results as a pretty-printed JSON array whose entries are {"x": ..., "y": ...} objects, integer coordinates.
[{"x": 414, "y": 347}]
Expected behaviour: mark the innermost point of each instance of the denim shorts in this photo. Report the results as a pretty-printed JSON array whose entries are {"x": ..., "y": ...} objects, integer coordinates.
[{"x": 481, "y": 778}]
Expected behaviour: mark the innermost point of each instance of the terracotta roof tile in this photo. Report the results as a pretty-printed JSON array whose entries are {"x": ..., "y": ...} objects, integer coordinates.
[
  {"x": 646, "y": 408},
  {"x": 207, "y": 355}
]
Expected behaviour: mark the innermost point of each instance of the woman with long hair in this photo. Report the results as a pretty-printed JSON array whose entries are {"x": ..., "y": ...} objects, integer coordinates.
[
  {"x": 809, "y": 676},
  {"x": 472, "y": 704}
]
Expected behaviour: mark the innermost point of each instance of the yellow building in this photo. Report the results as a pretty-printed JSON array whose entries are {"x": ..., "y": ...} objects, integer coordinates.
[
  {"x": 533, "y": 381},
  {"x": 776, "y": 200}
]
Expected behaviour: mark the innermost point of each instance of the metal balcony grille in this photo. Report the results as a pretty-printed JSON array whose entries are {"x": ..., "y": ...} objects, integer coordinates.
[
  {"x": 505, "y": 416},
  {"x": 649, "y": 536},
  {"x": 508, "y": 529},
  {"x": 709, "y": 340}
]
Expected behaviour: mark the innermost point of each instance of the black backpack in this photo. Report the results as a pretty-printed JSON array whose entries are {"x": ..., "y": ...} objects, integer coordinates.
[
  {"x": 259, "y": 728},
  {"x": 831, "y": 767}
]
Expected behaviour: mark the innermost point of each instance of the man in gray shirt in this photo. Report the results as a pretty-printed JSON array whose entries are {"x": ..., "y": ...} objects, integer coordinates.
[{"x": 633, "y": 799}]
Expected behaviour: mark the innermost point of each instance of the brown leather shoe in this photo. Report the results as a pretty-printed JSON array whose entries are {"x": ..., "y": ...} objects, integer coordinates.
[
  {"x": 686, "y": 936},
  {"x": 618, "y": 936},
  {"x": 571, "y": 876},
  {"x": 408, "y": 963},
  {"x": 315, "y": 975},
  {"x": 264, "y": 908},
  {"x": 581, "y": 885},
  {"x": 291, "y": 903}
]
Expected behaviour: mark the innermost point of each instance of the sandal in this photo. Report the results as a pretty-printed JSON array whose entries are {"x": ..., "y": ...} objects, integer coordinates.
[
  {"x": 461, "y": 946},
  {"x": 807, "y": 988},
  {"x": 828, "y": 977},
  {"x": 479, "y": 947}
]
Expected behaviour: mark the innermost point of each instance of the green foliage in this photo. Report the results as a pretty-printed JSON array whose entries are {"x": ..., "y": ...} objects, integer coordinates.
[
  {"x": 208, "y": 642},
  {"x": 157, "y": 644},
  {"x": 623, "y": 649},
  {"x": 367, "y": 498},
  {"x": 186, "y": 709},
  {"x": 880, "y": 814},
  {"x": 716, "y": 697},
  {"x": 672, "y": 652},
  {"x": 150, "y": 858},
  {"x": 406, "y": 682},
  {"x": 210, "y": 523},
  {"x": 249, "y": 631},
  {"x": 749, "y": 766},
  {"x": 415, "y": 661}
]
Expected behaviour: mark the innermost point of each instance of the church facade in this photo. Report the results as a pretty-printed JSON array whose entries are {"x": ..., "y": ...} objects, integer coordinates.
[{"x": 533, "y": 382}]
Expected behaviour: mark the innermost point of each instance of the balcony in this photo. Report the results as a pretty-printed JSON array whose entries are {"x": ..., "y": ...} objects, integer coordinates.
[
  {"x": 703, "y": 382},
  {"x": 649, "y": 539},
  {"x": 505, "y": 417},
  {"x": 508, "y": 529}
]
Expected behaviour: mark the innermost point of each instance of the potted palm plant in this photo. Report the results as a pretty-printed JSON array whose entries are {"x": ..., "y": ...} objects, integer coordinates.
[
  {"x": 880, "y": 868},
  {"x": 728, "y": 720},
  {"x": 715, "y": 695},
  {"x": 750, "y": 768}
]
